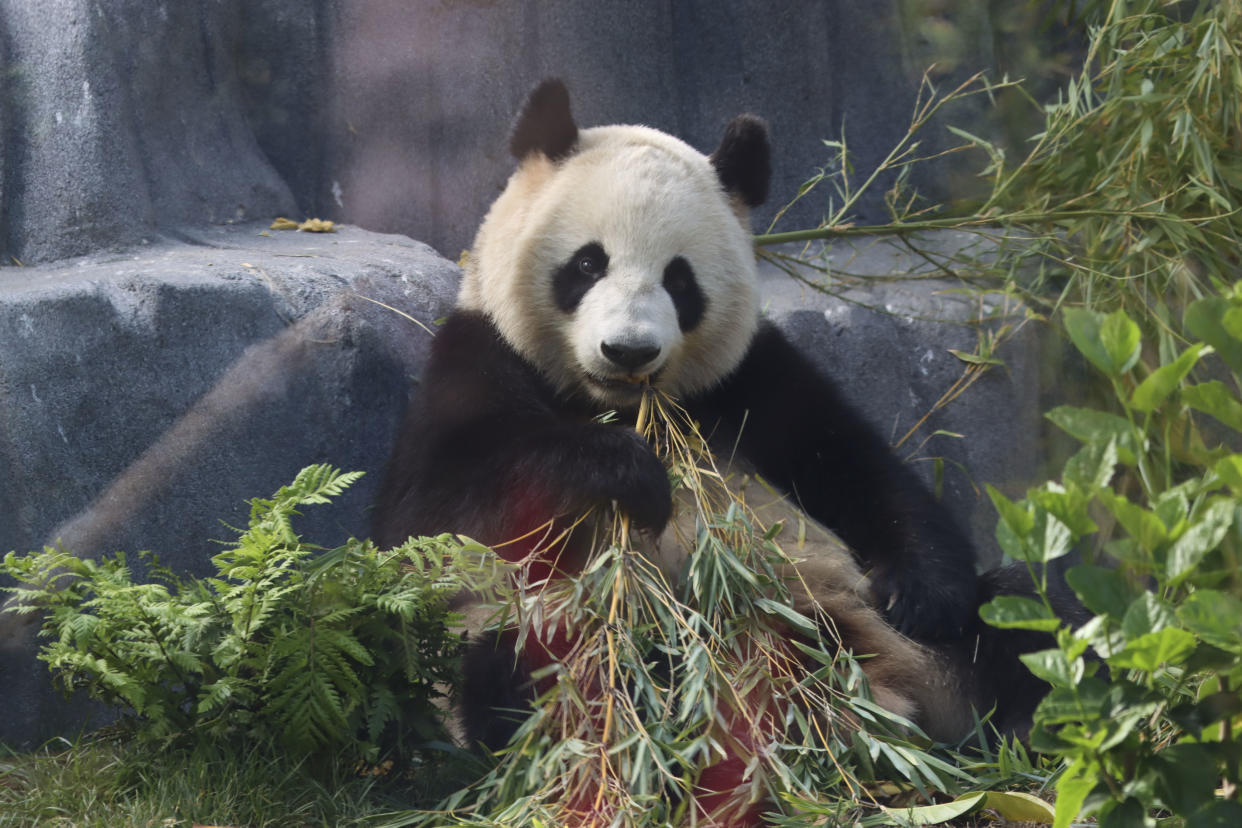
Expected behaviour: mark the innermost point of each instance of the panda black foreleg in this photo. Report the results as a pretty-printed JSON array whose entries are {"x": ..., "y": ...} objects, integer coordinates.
[
  {"x": 494, "y": 452},
  {"x": 794, "y": 426},
  {"x": 581, "y": 466}
]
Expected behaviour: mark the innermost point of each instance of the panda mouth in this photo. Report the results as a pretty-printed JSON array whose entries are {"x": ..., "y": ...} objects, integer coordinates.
[{"x": 628, "y": 386}]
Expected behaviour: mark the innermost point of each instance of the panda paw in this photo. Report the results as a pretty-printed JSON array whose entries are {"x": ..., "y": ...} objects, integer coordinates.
[
  {"x": 626, "y": 471},
  {"x": 925, "y": 608}
]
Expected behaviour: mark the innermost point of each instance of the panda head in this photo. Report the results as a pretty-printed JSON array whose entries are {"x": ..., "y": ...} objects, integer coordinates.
[{"x": 619, "y": 254}]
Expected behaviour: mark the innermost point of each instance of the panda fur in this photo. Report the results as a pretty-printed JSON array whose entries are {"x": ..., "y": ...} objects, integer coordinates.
[{"x": 619, "y": 252}]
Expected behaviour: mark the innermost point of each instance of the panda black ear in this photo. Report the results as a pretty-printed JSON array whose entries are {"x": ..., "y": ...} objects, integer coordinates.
[
  {"x": 744, "y": 161},
  {"x": 545, "y": 124}
]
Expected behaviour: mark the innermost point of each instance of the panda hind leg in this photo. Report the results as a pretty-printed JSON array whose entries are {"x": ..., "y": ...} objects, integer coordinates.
[
  {"x": 985, "y": 664},
  {"x": 497, "y": 693}
]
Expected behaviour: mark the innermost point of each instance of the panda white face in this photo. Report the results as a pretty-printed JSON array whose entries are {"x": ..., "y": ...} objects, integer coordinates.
[{"x": 622, "y": 262}]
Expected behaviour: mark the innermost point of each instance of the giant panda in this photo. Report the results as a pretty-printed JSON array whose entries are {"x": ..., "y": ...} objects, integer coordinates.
[{"x": 620, "y": 253}]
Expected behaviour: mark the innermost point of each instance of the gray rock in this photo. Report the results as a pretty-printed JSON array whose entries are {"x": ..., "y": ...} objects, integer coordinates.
[
  {"x": 145, "y": 395},
  {"x": 883, "y": 322},
  {"x": 423, "y": 95},
  {"x": 123, "y": 117}
]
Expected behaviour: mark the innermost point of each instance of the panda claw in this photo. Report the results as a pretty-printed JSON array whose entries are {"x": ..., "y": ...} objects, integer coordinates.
[{"x": 932, "y": 613}]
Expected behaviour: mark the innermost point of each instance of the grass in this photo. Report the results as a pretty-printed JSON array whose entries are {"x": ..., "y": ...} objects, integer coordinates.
[{"x": 106, "y": 782}]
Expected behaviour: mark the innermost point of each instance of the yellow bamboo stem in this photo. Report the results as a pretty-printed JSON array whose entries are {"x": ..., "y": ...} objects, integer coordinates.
[{"x": 618, "y": 586}]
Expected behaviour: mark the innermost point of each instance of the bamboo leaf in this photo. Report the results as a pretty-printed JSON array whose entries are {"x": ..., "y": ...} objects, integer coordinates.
[{"x": 936, "y": 814}]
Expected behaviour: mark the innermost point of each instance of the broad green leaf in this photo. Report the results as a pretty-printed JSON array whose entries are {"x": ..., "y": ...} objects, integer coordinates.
[
  {"x": 1142, "y": 525},
  {"x": 1016, "y": 517},
  {"x": 1216, "y": 399},
  {"x": 1172, "y": 506},
  {"x": 1129, "y": 813},
  {"x": 1204, "y": 535},
  {"x": 1186, "y": 776},
  {"x": 1147, "y": 614},
  {"x": 1230, "y": 470},
  {"x": 1068, "y": 505},
  {"x": 1101, "y": 634},
  {"x": 1092, "y": 466},
  {"x": 1054, "y": 667},
  {"x": 1072, "y": 790},
  {"x": 1231, "y": 321},
  {"x": 1148, "y": 652},
  {"x": 1219, "y": 813},
  {"x": 1216, "y": 617},
  {"x": 1083, "y": 327},
  {"x": 1103, "y": 591},
  {"x": 1045, "y": 540},
  {"x": 1011, "y": 543},
  {"x": 936, "y": 814},
  {"x": 1019, "y": 612},
  {"x": 1122, "y": 340},
  {"x": 1092, "y": 426},
  {"x": 1205, "y": 320},
  {"x": 1154, "y": 390},
  {"x": 1051, "y": 538},
  {"x": 1091, "y": 698}
]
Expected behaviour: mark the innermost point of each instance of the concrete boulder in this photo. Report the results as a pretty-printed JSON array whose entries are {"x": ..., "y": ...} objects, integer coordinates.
[
  {"x": 881, "y": 320},
  {"x": 126, "y": 117},
  {"x": 145, "y": 395}
]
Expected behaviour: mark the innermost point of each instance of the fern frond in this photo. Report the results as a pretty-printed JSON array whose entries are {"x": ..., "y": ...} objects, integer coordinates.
[
  {"x": 343, "y": 641},
  {"x": 286, "y": 643},
  {"x": 316, "y": 484}
]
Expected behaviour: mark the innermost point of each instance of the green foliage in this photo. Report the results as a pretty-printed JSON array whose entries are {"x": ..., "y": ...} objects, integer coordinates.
[
  {"x": 342, "y": 652},
  {"x": 1159, "y": 730},
  {"x": 1139, "y": 163},
  {"x": 1130, "y": 211},
  {"x": 1127, "y": 196},
  {"x": 1120, "y": 222}
]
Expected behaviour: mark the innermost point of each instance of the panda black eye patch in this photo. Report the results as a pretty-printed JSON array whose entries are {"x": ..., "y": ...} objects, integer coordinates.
[
  {"x": 681, "y": 285},
  {"x": 574, "y": 278}
]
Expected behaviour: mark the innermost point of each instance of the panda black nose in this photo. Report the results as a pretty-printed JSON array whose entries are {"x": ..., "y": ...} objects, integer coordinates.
[{"x": 629, "y": 357}]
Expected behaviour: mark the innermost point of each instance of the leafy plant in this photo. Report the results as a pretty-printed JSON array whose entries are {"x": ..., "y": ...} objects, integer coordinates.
[
  {"x": 1120, "y": 224},
  {"x": 344, "y": 651},
  {"x": 1159, "y": 730},
  {"x": 1128, "y": 195}
]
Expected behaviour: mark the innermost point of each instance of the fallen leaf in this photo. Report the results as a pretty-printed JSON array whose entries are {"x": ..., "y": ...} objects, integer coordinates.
[
  {"x": 315, "y": 225},
  {"x": 1016, "y": 806}
]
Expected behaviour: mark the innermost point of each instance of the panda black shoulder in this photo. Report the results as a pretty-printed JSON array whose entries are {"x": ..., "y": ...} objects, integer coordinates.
[
  {"x": 473, "y": 371},
  {"x": 777, "y": 405}
]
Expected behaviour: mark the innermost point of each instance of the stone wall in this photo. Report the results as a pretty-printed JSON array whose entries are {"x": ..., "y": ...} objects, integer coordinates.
[{"x": 123, "y": 118}]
